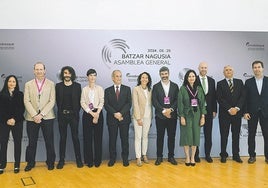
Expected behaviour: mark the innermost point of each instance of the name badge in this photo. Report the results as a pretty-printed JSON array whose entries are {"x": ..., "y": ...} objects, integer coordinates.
[
  {"x": 166, "y": 100},
  {"x": 91, "y": 106},
  {"x": 194, "y": 102}
]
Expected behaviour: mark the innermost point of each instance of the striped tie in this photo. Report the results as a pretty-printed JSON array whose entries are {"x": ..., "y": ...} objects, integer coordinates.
[{"x": 231, "y": 86}]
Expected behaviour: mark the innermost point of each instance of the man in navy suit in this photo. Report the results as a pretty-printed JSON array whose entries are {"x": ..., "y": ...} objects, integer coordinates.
[
  {"x": 68, "y": 93},
  {"x": 117, "y": 102},
  {"x": 231, "y": 98},
  {"x": 256, "y": 109},
  {"x": 165, "y": 102},
  {"x": 208, "y": 85}
]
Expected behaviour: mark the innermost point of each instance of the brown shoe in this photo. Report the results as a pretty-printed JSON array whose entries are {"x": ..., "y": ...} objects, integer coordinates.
[
  {"x": 145, "y": 159},
  {"x": 139, "y": 163}
]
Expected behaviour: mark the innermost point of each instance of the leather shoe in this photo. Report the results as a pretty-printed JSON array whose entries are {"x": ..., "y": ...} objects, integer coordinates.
[
  {"x": 125, "y": 163},
  {"x": 158, "y": 161},
  {"x": 79, "y": 164},
  {"x": 97, "y": 165},
  {"x": 223, "y": 159},
  {"x": 238, "y": 159},
  {"x": 209, "y": 159},
  {"x": 111, "y": 163},
  {"x": 16, "y": 170},
  {"x": 1, "y": 171},
  {"x": 187, "y": 164},
  {"x": 50, "y": 167},
  {"x": 197, "y": 159},
  {"x": 29, "y": 167},
  {"x": 60, "y": 165},
  {"x": 251, "y": 160},
  {"x": 172, "y": 161},
  {"x": 266, "y": 160},
  {"x": 192, "y": 164}
]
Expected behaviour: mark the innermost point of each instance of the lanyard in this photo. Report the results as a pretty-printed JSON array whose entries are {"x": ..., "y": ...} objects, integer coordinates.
[
  {"x": 194, "y": 95},
  {"x": 40, "y": 88}
]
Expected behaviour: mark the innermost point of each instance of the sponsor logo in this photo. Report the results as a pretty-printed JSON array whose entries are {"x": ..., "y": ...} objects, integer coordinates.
[
  {"x": 254, "y": 47},
  {"x": 7, "y": 45}
]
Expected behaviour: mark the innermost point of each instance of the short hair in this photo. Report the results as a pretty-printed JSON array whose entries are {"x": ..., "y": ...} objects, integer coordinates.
[
  {"x": 149, "y": 84},
  {"x": 91, "y": 71},
  {"x": 70, "y": 69},
  {"x": 162, "y": 69},
  {"x": 257, "y": 62},
  {"x": 39, "y": 62},
  {"x": 115, "y": 71}
]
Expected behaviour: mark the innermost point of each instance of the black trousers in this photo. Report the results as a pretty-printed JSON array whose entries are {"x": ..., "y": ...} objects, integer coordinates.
[
  {"x": 252, "y": 127},
  {"x": 227, "y": 121},
  {"x": 92, "y": 134},
  {"x": 17, "y": 137},
  {"x": 207, "y": 128},
  {"x": 65, "y": 120},
  {"x": 33, "y": 132},
  {"x": 161, "y": 125},
  {"x": 113, "y": 132}
]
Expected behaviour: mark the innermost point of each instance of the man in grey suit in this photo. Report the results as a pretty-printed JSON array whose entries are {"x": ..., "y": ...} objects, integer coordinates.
[
  {"x": 39, "y": 100},
  {"x": 165, "y": 102},
  {"x": 256, "y": 109}
]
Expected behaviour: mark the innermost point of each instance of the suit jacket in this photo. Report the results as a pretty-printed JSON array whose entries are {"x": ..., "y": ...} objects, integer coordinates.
[
  {"x": 254, "y": 100},
  {"x": 139, "y": 101},
  {"x": 210, "y": 97},
  {"x": 46, "y": 102},
  {"x": 123, "y": 105},
  {"x": 76, "y": 94},
  {"x": 158, "y": 95},
  {"x": 227, "y": 100},
  {"x": 11, "y": 107}
]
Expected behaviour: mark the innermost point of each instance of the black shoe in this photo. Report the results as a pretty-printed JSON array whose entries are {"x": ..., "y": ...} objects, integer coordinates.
[
  {"x": 192, "y": 164},
  {"x": 79, "y": 164},
  {"x": 209, "y": 159},
  {"x": 1, "y": 171},
  {"x": 29, "y": 167},
  {"x": 97, "y": 164},
  {"x": 187, "y": 164},
  {"x": 172, "y": 160},
  {"x": 158, "y": 161},
  {"x": 237, "y": 159},
  {"x": 223, "y": 159},
  {"x": 111, "y": 163},
  {"x": 125, "y": 163},
  {"x": 197, "y": 159},
  {"x": 266, "y": 160},
  {"x": 50, "y": 167},
  {"x": 251, "y": 160},
  {"x": 90, "y": 165},
  {"x": 60, "y": 165},
  {"x": 16, "y": 170}
]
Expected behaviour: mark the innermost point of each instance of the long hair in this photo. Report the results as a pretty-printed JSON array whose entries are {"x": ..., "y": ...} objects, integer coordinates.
[
  {"x": 5, "y": 91},
  {"x": 149, "y": 84},
  {"x": 185, "y": 81},
  {"x": 71, "y": 70}
]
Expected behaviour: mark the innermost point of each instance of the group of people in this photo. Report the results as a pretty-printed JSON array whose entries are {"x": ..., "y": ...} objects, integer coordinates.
[{"x": 194, "y": 105}]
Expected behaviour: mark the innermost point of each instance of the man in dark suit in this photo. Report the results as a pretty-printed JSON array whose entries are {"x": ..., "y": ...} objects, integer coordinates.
[
  {"x": 68, "y": 95},
  {"x": 165, "y": 102},
  {"x": 208, "y": 85},
  {"x": 231, "y": 97},
  {"x": 117, "y": 102},
  {"x": 256, "y": 109}
]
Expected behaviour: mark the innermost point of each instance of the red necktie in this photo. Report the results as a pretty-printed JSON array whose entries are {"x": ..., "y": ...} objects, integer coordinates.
[{"x": 117, "y": 92}]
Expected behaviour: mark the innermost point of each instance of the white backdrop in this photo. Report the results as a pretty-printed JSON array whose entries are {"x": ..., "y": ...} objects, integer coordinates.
[{"x": 131, "y": 51}]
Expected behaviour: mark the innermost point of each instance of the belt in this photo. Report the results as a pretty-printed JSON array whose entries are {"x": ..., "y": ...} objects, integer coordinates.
[{"x": 67, "y": 112}]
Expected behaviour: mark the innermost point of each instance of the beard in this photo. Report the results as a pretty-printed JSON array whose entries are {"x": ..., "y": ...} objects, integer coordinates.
[{"x": 67, "y": 78}]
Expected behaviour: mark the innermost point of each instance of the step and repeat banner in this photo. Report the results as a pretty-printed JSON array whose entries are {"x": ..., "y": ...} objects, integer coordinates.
[{"x": 132, "y": 52}]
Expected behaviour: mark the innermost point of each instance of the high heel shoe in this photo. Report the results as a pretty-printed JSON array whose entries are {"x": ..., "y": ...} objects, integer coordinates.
[
  {"x": 192, "y": 164},
  {"x": 187, "y": 164}
]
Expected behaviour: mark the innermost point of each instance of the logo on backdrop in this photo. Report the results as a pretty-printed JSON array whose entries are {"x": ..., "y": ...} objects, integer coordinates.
[
  {"x": 254, "y": 46},
  {"x": 7, "y": 45},
  {"x": 118, "y": 52}
]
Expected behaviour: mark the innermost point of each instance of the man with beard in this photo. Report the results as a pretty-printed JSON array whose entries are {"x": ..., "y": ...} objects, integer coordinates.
[
  {"x": 68, "y": 94},
  {"x": 165, "y": 102}
]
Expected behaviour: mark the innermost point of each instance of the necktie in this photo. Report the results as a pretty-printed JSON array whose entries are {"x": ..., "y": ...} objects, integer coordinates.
[
  {"x": 204, "y": 85},
  {"x": 231, "y": 86},
  {"x": 117, "y": 92}
]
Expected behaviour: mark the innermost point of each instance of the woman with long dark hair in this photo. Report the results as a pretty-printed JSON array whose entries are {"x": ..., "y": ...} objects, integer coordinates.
[
  {"x": 191, "y": 108},
  {"x": 11, "y": 119}
]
